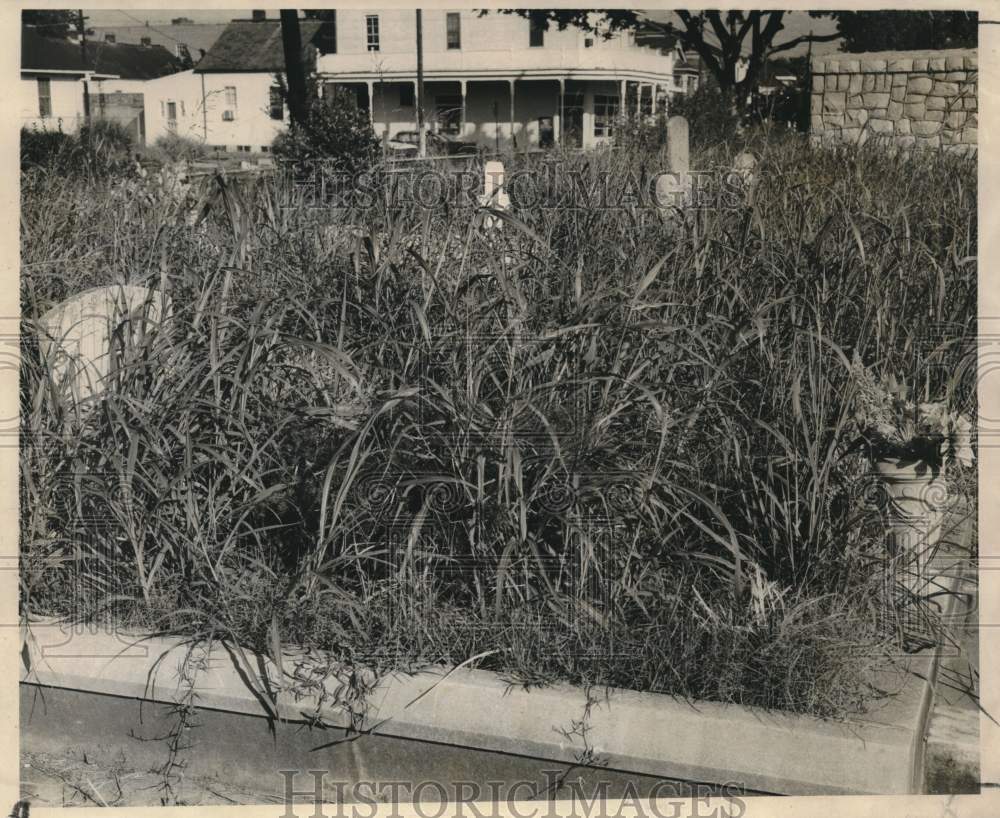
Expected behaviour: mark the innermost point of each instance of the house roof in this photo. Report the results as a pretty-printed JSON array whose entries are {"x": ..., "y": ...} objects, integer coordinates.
[
  {"x": 198, "y": 37},
  {"x": 651, "y": 35},
  {"x": 256, "y": 46},
  {"x": 131, "y": 62}
]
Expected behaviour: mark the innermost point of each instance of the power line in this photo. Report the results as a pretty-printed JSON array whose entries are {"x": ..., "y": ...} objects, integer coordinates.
[{"x": 145, "y": 24}]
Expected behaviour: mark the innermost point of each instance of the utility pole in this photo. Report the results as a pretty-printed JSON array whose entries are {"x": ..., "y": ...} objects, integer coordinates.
[
  {"x": 291, "y": 41},
  {"x": 421, "y": 133},
  {"x": 81, "y": 25}
]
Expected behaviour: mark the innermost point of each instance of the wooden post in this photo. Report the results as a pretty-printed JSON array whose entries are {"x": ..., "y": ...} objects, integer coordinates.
[
  {"x": 421, "y": 135},
  {"x": 513, "y": 139},
  {"x": 557, "y": 120},
  {"x": 461, "y": 131},
  {"x": 81, "y": 23}
]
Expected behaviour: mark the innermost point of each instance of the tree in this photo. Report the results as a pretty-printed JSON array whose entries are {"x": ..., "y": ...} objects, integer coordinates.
[
  {"x": 54, "y": 23},
  {"x": 724, "y": 40},
  {"x": 334, "y": 131},
  {"x": 291, "y": 41},
  {"x": 326, "y": 39},
  {"x": 905, "y": 30}
]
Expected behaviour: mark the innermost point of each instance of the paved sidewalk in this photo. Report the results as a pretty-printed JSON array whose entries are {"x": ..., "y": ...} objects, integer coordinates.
[{"x": 951, "y": 763}]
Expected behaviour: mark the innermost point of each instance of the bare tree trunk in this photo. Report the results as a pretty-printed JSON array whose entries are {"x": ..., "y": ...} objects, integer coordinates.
[{"x": 291, "y": 41}]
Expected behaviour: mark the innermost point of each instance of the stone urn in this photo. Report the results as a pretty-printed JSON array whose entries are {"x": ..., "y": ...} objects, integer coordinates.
[{"x": 917, "y": 496}]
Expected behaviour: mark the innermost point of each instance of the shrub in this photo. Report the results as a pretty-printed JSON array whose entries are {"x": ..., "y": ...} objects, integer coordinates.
[
  {"x": 336, "y": 131},
  {"x": 107, "y": 137},
  {"x": 174, "y": 148},
  {"x": 106, "y": 146},
  {"x": 43, "y": 148},
  {"x": 709, "y": 114},
  {"x": 98, "y": 149},
  {"x": 640, "y": 135}
]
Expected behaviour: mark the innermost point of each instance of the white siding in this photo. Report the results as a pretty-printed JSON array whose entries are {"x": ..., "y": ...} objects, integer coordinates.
[
  {"x": 184, "y": 90},
  {"x": 66, "y": 93},
  {"x": 251, "y": 124},
  {"x": 496, "y": 44}
]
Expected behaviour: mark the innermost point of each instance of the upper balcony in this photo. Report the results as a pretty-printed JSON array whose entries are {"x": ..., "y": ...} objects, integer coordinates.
[{"x": 381, "y": 45}]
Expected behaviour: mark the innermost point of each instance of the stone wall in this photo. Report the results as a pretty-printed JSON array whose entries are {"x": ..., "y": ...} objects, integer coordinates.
[{"x": 911, "y": 99}]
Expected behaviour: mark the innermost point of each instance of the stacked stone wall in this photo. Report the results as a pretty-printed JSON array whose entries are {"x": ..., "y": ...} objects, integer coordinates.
[{"x": 910, "y": 99}]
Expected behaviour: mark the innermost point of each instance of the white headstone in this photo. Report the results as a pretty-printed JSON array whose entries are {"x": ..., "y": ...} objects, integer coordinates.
[
  {"x": 673, "y": 189},
  {"x": 76, "y": 337},
  {"x": 678, "y": 147},
  {"x": 494, "y": 193}
]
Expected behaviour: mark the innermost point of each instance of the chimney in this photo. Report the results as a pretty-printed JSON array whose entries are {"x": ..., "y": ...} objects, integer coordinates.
[
  {"x": 258, "y": 16},
  {"x": 145, "y": 41},
  {"x": 109, "y": 38}
]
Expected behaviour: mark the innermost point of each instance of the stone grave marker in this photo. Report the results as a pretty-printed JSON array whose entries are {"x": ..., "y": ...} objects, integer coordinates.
[
  {"x": 674, "y": 188},
  {"x": 494, "y": 194},
  {"x": 78, "y": 337}
]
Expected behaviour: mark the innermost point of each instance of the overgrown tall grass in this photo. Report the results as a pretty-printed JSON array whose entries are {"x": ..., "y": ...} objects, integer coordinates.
[{"x": 598, "y": 445}]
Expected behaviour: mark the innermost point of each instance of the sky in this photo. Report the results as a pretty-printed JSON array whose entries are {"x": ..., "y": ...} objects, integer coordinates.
[
  {"x": 796, "y": 23},
  {"x": 138, "y": 16}
]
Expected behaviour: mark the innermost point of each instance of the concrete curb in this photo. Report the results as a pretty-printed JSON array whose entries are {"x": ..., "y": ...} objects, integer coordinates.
[{"x": 653, "y": 734}]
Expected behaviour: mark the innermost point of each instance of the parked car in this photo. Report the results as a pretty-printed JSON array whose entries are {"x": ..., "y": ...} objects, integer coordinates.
[{"x": 407, "y": 143}]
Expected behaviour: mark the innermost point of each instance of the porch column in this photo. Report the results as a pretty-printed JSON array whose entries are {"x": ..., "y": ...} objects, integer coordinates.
[
  {"x": 513, "y": 140},
  {"x": 371, "y": 103},
  {"x": 461, "y": 131},
  {"x": 622, "y": 98},
  {"x": 557, "y": 119},
  {"x": 416, "y": 107}
]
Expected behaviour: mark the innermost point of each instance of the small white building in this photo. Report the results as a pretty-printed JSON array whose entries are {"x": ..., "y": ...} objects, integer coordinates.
[
  {"x": 240, "y": 102},
  {"x": 51, "y": 89},
  {"x": 57, "y": 78}
]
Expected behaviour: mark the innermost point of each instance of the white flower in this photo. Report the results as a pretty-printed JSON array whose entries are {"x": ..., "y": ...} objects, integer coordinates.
[
  {"x": 934, "y": 418},
  {"x": 961, "y": 440}
]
